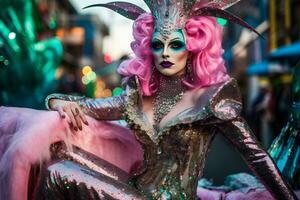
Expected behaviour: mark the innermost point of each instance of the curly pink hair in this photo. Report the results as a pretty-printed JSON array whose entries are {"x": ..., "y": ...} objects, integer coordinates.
[{"x": 204, "y": 41}]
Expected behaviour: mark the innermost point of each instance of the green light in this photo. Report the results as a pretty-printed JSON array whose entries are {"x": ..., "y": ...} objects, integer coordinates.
[
  {"x": 52, "y": 24},
  {"x": 1, "y": 58},
  {"x": 222, "y": 21},
  {"x": 92, "y": 76},
  {"x": 6, "y": 62},
  {"x": 12, "y": 35},
  {"x": 117, "y": 91}
]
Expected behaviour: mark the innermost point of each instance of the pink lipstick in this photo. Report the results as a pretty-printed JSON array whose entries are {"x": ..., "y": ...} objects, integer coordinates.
[{"x": 166, "y": 64}]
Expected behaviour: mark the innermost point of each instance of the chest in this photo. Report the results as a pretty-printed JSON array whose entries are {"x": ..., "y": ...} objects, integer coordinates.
[{"x": 187, "y": 102}]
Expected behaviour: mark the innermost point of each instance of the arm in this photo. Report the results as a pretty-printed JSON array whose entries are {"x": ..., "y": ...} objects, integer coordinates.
[
  {"x": 258, "y": 160},
  {"x": 101, "y": 109},
  {"x": 226, "y": 107}
]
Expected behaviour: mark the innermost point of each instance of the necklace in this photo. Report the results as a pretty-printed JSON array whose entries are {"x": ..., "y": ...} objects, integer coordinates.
[{"x": 169, "y": 93}]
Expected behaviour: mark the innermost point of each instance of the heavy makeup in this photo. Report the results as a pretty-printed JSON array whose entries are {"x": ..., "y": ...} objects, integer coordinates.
[{"x": 169, "y": 53}]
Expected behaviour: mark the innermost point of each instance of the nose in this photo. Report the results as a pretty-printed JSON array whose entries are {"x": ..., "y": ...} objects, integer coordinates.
[{"x": 165, "y": 53}]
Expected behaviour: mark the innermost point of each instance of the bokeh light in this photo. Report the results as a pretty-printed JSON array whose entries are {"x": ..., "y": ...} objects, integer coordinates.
[
  {"x": 100, "y": 84},
  {"x": 107, "y": 93},
  {"x": 286, "y": 78},
  {"x": 52, "y": 24},
  {"x": 88, "y": 75},
  {"x": 59, "y": 72},
  {"x": 6, "y": 62},
  {"x": 222, "y": 21},
  {"x": 12, "y": 35},
  {"x": 91, "y": 76},
  {"x": 117, "y": 91},
  {"x": 85, "y": 80},
  {"x": 86, "y": 69},
  {"x": 107, "y": 59}
]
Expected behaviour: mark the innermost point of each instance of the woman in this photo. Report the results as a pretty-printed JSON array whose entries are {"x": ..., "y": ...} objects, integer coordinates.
[{"x": 178, "y": 95}]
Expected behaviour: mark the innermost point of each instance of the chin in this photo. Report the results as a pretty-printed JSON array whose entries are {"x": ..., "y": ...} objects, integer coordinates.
[{"x": 168, "y": 71}]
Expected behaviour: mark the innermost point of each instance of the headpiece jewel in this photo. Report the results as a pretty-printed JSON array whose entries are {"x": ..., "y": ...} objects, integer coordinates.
[{"x": 171, "y": 15}]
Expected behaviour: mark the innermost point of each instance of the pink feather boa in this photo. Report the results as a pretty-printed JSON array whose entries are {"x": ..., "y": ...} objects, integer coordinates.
[{"x": 26, "y": 135}]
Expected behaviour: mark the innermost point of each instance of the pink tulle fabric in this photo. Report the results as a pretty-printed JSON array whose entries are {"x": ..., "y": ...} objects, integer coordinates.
[
  {"x": 26, "y": 135},
  {"x": 204, "y": 41}
]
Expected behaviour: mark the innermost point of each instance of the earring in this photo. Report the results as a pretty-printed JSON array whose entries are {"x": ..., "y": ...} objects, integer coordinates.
[
  {"x": 189, "y": 69},
  {"x": 152, "y": 74}
]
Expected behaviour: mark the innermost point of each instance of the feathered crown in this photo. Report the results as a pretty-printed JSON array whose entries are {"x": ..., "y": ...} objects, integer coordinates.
[{"x": 171, "y": 15}]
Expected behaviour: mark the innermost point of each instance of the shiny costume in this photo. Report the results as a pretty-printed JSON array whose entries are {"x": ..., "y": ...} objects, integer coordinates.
[
  {"x": 174, "y": 156},
  {"x": 285, "y": 149}
]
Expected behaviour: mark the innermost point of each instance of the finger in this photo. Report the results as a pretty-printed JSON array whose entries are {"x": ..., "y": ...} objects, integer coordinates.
[
  {"x": 75, "y": 112},
  {"x": 83, "y": 117},
  {"x": 72, "y": 119},
  {"x": 67, "y": 116},
  {"x": 78, "y": 121},
  {"x": 61, "y": 113}
]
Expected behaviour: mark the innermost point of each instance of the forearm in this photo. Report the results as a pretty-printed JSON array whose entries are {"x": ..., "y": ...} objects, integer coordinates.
[
  {"x": 258, "y": 160},
  {"x": 102, "y": 109}
]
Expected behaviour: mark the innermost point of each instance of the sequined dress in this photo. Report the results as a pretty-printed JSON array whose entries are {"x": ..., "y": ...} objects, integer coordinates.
[{"x": 174, "y": 155}]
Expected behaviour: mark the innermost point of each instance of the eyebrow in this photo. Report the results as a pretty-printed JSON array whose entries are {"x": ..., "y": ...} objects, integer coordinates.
[
  {"x": 156, "y": 40},
  {"x": 174, "y": 39},
  {"x": 177, "y": 38}
]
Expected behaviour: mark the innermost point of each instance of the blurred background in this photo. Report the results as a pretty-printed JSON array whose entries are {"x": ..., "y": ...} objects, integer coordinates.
[{"x": 51, "y": 46}]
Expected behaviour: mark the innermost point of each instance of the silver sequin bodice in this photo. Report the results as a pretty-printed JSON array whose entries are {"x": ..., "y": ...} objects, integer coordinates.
[{"x": 174, "y": 155}]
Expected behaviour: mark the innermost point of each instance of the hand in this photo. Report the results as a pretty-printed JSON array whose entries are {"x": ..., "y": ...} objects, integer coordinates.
[{"x": 71, "y": 110}]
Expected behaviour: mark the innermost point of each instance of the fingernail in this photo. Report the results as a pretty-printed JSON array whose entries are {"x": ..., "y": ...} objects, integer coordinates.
[{"x": 76, "y": 110}]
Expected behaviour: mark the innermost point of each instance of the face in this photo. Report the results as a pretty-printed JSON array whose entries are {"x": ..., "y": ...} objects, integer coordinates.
[{"x": 169, "y": 54}]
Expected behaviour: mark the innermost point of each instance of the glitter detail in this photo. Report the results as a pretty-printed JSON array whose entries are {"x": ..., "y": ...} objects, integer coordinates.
[
  {"x": 126, "y": 9},
  {"x": 174, "y": 156},
  {"x": 169, "y": 93},
  {"x": 171, "y": 15},
  {"x": 217, "y": 12},
  {"x": 101, "y": 108}
]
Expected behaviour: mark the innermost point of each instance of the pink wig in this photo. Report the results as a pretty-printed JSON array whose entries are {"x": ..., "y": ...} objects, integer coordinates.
[{"x": 204, "y": 41}]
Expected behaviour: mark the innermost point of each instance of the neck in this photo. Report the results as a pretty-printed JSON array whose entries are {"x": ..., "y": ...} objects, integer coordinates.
[
  {"x": 170, "y": 91},
  {"x": 171, "y": 85}
]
